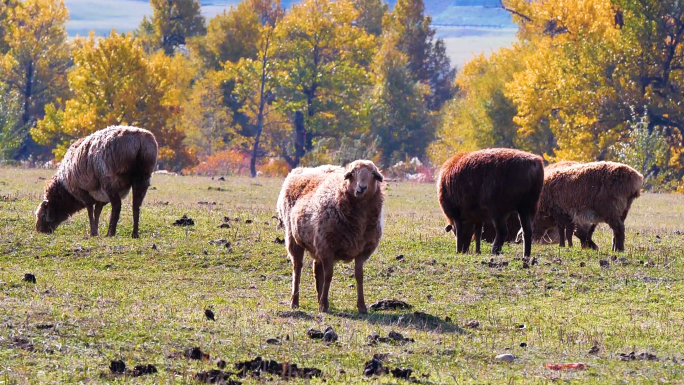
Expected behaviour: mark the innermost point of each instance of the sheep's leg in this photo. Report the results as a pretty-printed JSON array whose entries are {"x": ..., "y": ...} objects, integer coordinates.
[
  {"x": 561, "y": 235},
  {"x": 569, "y": 230},
  {"x": 501, "y": 233},
  {"x": 584, "y": 234},
  {"x": 318, "y": 276},
  {"x": 328, "y": 264},
  {"x": 618, "y": 228},
  {"x": 139, "y": 192},
  {"x": 358, "y": 274},
  {"x": 526, "y": 224},
  {"x": 590, "y": 234},
  {"x": 478, "y": 237},
  {"x": 89, "y": 202},
  {"x": 115, "y": 200},
  {"x": 464, "y": 235},
  {"x": 91, "y": 220},
  {"x": 96, "y": 215},
  {"x": 297, "y": 257}
]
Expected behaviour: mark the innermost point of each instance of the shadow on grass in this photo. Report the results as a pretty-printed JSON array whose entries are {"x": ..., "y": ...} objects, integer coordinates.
[{"x": 418, "y": 320}]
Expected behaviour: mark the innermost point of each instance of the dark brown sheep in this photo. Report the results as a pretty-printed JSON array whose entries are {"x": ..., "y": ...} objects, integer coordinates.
[
  {"x": 335, "y": 214},
  {"x": 99, "y": 169},
  {"x": 490, "y": 184},
  {"x": 586, "y": 194}
]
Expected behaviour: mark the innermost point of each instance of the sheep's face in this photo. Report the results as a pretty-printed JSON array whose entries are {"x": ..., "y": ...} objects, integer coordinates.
[
  {"x": 362, "y": 178},
  {"x": 46, "y": 217}
]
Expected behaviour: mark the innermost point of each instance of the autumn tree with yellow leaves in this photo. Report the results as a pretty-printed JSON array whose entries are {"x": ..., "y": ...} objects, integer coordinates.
[
  {"x": 34, "y": 63},
  {"x": 113, "y": 82},
  {"x": 579, "y": 85}
]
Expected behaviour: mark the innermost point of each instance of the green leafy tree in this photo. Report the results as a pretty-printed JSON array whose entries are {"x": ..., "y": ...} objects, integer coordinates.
[
  {"x": 255, "y": 87},
  {"x": 12, "y": 134},
  {"x": 427, "y": 60},
  {"x": 399, "y": 114},
  {"x": 231, "y": 36},
  {"x": 173, "y": 22},
  {"x": 323, "y": 57},
  {"x": 371, "y": 14},
  {"x": 414, "y": 35},
  {"x": 647, "y": 151}
]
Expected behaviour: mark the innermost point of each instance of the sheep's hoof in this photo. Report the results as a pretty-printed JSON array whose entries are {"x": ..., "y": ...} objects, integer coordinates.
[
  {"x": 135, "y": 236},
  {"x": 363, "y": 310}
]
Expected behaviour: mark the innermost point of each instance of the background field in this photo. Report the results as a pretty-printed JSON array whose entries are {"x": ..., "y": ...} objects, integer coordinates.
[{"x": 100, "y": 299}]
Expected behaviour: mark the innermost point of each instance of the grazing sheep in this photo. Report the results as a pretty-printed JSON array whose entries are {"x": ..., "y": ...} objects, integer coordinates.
[
  {"x": 583, "y": 231},
  {"x": 99, "y": 169},
  {"x": 585, "y": 195},
  {"x": 477, "y": 186},
  {"x": 335, "y": 214}
]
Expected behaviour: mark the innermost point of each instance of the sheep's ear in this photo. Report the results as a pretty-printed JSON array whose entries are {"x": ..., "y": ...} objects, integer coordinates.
[
  {"x": 378, "y": 176},
  {"x": 348, "y": 175},
  {"x": 448, "y": 228},
  {"x": 48, "y": 213},
  {"x": 49, "y": 217}
]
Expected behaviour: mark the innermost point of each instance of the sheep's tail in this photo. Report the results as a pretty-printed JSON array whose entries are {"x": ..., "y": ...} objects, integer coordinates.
[{"x": 146, "y": 158}]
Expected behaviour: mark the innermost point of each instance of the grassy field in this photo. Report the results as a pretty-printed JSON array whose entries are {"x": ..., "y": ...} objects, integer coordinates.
[{"x": 143, "y": 301}]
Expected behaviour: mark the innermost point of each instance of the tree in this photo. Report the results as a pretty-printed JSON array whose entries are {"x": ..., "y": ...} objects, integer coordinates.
[
  {"x": 175, "y": 21},
  {"x": 647, "y": 151},
  {"x": 414, "y": 35},
  {"x": 206, "y": 120},
  {"x": 324, "y": 57},
  {"x": 399, "y": 114},
  {"x": 255, "y": 87},
  {"x": 371, "y": 13},
  {"x": 230, "y": 36},
  {"x": 12, "y": 135},
  {"x": 427, "y": 61},
  {"x": 114, "y": 83},
  {"x": 6, "y": 7},
  {"x": 37, "y": 58}
]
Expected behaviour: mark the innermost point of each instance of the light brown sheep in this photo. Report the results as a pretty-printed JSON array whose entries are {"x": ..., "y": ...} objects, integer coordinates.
[
  {"x": 99, "y": 169},
  {"x": 490, "y": 184},
  {"x": 586, "y": 194},
  {"x": 335, "y": 214},
  {"x": 583, "y": 231}
]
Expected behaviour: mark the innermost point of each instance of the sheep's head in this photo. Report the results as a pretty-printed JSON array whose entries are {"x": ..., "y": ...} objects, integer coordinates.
[
  {"x": 54, "y": 209},
  {"x": 362, "y": 178},
  {"x": 46, "y": 221}
]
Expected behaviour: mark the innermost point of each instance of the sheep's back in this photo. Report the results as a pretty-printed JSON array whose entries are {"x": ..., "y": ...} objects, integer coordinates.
[
  {"x": 113, "y": 156},
  {"x": 596, "y": 187},
  {"x": 489, "y": 180}
]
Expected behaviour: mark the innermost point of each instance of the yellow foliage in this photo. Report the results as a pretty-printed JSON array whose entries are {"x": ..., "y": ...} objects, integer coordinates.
[{"x": 114, "y": 83}]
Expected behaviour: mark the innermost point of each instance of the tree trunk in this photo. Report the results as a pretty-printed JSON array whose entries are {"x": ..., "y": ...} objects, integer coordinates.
[
  {"x": 255, "y": 150},
  {"x": 26, "y": 116},
  {"x": 300, "y": 135}
]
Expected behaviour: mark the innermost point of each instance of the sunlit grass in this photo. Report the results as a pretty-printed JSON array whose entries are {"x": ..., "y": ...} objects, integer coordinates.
[{"x": 120, "y": 299}]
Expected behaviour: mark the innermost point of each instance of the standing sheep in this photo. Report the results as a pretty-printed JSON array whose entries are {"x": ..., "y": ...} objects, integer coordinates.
[
  {"x": 477, "y": 186},
  {"x": 587, "y": 194},
  {"x": 99, "y": 169},
  {"x": 335, "y": 214}
]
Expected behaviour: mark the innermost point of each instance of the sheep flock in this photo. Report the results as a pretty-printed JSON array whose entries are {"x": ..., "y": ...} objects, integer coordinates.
[{"x": 336, "y": 213}]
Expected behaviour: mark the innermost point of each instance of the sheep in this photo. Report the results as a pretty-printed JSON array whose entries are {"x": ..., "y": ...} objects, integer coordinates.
[
  {"x": 585, "y": 195},
  {"x": 99, "y": 169},
  {"x": 490, "y": 184},
  {"x": 335, "y": 214}
]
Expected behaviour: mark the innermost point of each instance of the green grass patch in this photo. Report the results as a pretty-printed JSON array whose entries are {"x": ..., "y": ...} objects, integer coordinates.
[{"x": 118, "y": 298}]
